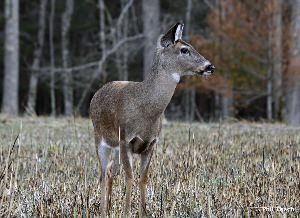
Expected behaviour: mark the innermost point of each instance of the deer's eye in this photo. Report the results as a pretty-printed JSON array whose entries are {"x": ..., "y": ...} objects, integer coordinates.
[{"x": 184, "y": 51}]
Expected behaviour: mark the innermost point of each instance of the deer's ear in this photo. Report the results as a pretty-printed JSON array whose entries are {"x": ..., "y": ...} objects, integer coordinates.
[{"x": 173, "y": 34}]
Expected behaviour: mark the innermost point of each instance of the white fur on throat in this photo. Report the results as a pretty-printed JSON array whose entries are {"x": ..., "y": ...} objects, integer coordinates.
[{"x": 176, "y": 77}]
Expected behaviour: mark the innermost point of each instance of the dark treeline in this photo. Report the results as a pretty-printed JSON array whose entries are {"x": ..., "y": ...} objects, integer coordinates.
[{"x": 56, "y": 54}]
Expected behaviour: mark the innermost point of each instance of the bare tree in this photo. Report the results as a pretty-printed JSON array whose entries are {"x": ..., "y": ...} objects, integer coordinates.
[
  {"x": 227, "y": 94},
  {"x": 274, "y": 74},
  {"x": 31, "y": 103},
  {"x": 293, "y": 86},
  {"x": 122, "y": 56},
  {"x": 151, "y": 13},
  {"x": 11, "y": 59},
  {"x": 189, "y": 95},
  {"x": 67, "y": 77},
  {"x": 270, "y": 92},
  {"x": 102, "y": 27},
  {"x": 277, "y": 57},
  {"x": 52, "y": 59},
  {"x": 107, "y": 47},
  {"x": 270, "y": 71}
]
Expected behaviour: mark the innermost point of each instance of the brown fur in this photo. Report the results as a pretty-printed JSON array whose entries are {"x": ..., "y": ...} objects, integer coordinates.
[{"x": 136, "y": 108}]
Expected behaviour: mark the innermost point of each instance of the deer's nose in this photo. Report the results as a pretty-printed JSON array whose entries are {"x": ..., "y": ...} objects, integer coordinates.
[{"x": 210, "y": 68}]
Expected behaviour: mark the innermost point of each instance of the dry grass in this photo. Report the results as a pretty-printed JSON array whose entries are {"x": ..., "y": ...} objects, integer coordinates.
[{"x": 211, "y": 170}]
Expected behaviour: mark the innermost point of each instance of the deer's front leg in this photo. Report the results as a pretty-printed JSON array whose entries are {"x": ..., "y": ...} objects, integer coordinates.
[
  {"x": 126, "y": 159},
  {"x": 145, "y": 162}
]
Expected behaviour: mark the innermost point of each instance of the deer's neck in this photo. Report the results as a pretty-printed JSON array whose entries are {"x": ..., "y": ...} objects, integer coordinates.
[{"x": 159, "y": 88}]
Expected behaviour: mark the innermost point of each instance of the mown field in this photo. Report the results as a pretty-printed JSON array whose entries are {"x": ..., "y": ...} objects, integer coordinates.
[{"x": 197, "y": 170}]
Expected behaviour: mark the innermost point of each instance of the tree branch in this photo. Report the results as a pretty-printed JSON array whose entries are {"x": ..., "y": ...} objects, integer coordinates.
[
  {"x": 100, "y": 65},
  {"x": 92, "y": 64}
]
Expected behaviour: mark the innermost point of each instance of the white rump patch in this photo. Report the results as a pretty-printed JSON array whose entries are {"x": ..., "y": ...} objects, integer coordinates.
[
  {"x": 103, "y": 143},
  {"x": 176, "y": 77}
]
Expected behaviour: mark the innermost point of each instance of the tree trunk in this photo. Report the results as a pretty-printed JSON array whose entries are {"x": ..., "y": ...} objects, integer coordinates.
[
  {"x": 216, "y": 113},
  {"x": 68, "y": 89},
  {"x": 151, "y": 25},
  {"x": 125, "y": 51},
  {"x": 191, "y": 104},
  {"x": 274, "y": 75},
  {"x": 11, "y": 59},
  {"x": 293, "y": 80},
  {"x": 102, "y": 27},
  {"x": 227, "y": 98},
  {"x": 277, "y": 58},
  {"x": 269, "y": 94},
  {"x": 31, "y": 102},
  {"x": 227, "y": 93},
  {"x": 186, "y": 99},
  {"x": 52, "y": 59},
  {"x": 270, "y": 71},
  {"x": 189, "y": 95},
  {"x": 122, "y": 55}
]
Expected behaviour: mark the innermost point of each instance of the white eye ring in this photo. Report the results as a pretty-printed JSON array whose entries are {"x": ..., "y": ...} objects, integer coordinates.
[{"x": 184, "y": 51}]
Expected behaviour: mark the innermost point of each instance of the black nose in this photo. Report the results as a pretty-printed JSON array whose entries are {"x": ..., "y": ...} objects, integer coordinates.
[{"x": 210, "y": 68}]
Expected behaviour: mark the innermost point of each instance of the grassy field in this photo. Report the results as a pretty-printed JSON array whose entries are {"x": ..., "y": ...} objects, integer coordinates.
[{"x": 211, "y": 170}]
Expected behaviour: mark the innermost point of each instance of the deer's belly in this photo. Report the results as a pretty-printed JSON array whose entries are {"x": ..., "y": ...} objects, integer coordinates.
[
  {"x": 138, "y": 145},
  {"x": 138, "y": 133},
  {"x": 142, "y": 138}
]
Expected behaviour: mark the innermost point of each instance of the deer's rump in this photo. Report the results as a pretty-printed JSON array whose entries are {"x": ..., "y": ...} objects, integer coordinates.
[{"x": 117, "y": 106}]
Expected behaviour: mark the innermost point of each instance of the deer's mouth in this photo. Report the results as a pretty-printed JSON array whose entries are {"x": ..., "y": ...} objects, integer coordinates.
[
  {"x": 204, "y": 72},
  {"x": 207, "y": 73},
  {"x": 209, "y": 70}
]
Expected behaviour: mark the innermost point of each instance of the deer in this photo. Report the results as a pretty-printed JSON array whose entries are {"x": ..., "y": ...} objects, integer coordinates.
[{"x": 127, "y": 115}]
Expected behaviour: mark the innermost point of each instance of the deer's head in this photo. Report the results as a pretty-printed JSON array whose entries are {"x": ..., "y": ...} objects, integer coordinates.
[{"x": 179, "y": 57}]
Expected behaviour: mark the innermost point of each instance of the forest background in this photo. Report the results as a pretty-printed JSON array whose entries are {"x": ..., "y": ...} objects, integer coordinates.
[{"x": 56, "y": 54}]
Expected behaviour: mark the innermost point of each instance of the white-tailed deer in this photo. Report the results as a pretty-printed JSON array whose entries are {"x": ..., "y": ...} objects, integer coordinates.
[{"x": 127, "y": 115}]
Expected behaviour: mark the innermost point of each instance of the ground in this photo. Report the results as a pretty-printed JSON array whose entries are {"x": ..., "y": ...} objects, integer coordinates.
[{"x": 212, "y": 170}]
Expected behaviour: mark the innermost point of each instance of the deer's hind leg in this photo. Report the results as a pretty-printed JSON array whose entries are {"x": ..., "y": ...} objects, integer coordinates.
[
  {"x": 103, "y": 154},
  {"x": 112, "y": 171},
  {"x": 109, "y": 168}
]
